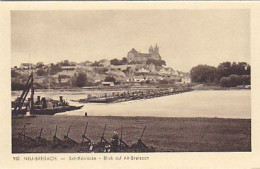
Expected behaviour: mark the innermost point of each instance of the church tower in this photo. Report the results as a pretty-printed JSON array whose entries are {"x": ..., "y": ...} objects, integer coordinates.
[
  {"x": 156, "y": 49},
  {"x": 151, "y": 49}
]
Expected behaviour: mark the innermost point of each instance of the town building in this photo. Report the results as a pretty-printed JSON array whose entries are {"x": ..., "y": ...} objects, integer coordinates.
[
  {"x": 186, "y": 79},
  {"x": 137, "y": 57},
  {"x": 68, "y": 71},
  {"x": 108, "y": 84},
  {"x": 151, "y": 68},
  {"x": 143, "y": 71},
  {"x": 27, "y": 66}
]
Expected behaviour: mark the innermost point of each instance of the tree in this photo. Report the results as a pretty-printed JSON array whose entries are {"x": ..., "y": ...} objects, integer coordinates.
[
  {"x": 119, "y": 62},
  {"x": 239, "y": 68},
  {"x": 226, "y": 74},
  {"x": 102, "y": 70},
  {"x": 41, "y": 72},
  {"x": 17, "y": 85},
  {"x": 110, "y": 79},
  {"x": 246, "y": 79},
  {"x": 14, "y": 73},
  {"x": 54, "y": 69},
  {"x": 203, "y": 74},
  {"x": 115, "y": 62},
  {"x": 223, "y": 70},
  {"x": 96, "y": 63},
  {"x": 248, "y": 70},
  {"x": 124, "y": 60},
  {"x": 65, "y": 63},
  {"x": 225, "y": 82},
  {"x": 226, "y": 69},
  {"x": 235, "y": 80},
  {"x": 81, "y": 80},
  {"x": 39, "y": 65},
  {"x": 155, "y": 62}
]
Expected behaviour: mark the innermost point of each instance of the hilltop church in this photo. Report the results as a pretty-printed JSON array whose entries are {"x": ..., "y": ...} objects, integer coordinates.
[{"x": 136, "y": 57}]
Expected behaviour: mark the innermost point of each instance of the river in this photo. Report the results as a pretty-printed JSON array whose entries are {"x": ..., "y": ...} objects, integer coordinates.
[{"x": 210, "y": 103}]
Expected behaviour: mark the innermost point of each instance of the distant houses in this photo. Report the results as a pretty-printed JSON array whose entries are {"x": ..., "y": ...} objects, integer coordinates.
[
  {"x": 26, "y": 66},
  {"x": 67, "y": 71},
  {"x": 107, "y": 84},
  {"x": 136, "y": 69},
  {"x": 143, "y": 71},
  {"x": 186, "y": 79}
]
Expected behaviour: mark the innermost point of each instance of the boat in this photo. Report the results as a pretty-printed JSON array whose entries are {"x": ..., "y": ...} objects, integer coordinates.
[
  {"x": 46, "y": 111},
  {"x": 137, "y": 95},
  {"x": 101, "y": 100},
  {"x": 60, "y": 109},
  {"x": 42, "y": 106}
]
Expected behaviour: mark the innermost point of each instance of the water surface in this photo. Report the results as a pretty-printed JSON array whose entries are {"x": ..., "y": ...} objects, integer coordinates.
[{"x": 211, "y": 103}]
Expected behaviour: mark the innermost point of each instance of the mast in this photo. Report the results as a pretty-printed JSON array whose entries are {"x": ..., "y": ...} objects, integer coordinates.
[
  {"x": 32, "y": 97},
  {"x": 31, "y": 103},
  {"x": 32, "y": 89},
  {"x": 28, "y": 87},
  {"x": 49, "y": 85}
]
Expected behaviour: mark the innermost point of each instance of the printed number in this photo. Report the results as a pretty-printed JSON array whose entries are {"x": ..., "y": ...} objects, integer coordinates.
[{"x": 16, "y": 158}]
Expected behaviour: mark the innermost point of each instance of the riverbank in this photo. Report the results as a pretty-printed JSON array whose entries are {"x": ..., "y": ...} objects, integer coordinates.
[
  {"x": 164, "y": 134},
  {"x": 122, "y": 89},
  {"x": 218, "y": 87}
]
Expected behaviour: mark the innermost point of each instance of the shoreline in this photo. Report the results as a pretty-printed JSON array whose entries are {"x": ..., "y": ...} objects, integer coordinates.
[
  {"x": 126, "y": 89},
  {"x": 216, "y": 87},
  {"x": 151, "y": 117},
  {"x": 130, "y": 117}
]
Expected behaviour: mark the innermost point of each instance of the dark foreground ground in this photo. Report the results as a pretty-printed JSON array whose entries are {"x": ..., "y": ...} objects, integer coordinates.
[{"x": 164, "y": 134}]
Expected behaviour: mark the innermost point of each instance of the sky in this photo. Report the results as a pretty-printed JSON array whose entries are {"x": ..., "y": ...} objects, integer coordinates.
[{"x": 185, "y": 38}]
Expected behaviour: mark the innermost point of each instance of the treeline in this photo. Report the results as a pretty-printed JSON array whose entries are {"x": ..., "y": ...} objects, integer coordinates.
[
  {"x": 227, "y": 74},
  {"x": 18, "y": 82},
  {"x": 53, "y": 68},
  {"x": 81, "y": 80},
  {"x": 125, "y": 62},
  {"x": 119, "y": 62}
]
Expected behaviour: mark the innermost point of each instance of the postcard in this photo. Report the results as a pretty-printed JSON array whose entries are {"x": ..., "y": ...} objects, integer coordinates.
[{"x": 130, "y": 84}]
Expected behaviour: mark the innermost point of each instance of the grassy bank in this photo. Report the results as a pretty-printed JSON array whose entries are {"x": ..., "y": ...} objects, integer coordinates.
[
  {"x": 164, "y": 134},
  {"x": 216, "y": 87}
]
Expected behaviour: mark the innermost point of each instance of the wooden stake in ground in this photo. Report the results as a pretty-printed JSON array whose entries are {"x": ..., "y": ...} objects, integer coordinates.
[
  {"x": 140, "y": 146},
  {"x": 21, "y": 135},
  {"x": 88, "y": 142},
  {"x": 68, "y": 140},
  {"x": 122, "y": 144},
  {"x": 56, "y": 140},
  {"x": 41, "y": 140},
  {"x": 103, "y": 142}
]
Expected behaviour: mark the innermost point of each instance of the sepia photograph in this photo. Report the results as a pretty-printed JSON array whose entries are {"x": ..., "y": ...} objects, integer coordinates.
[{"x": 130, "y": 81}]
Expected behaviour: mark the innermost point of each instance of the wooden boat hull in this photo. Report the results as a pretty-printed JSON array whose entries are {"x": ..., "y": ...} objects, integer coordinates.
[
  {"x": 101, "y": 100},
  {"x": 136, "y": 96},
  {"x": 60, "y": 109}
]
